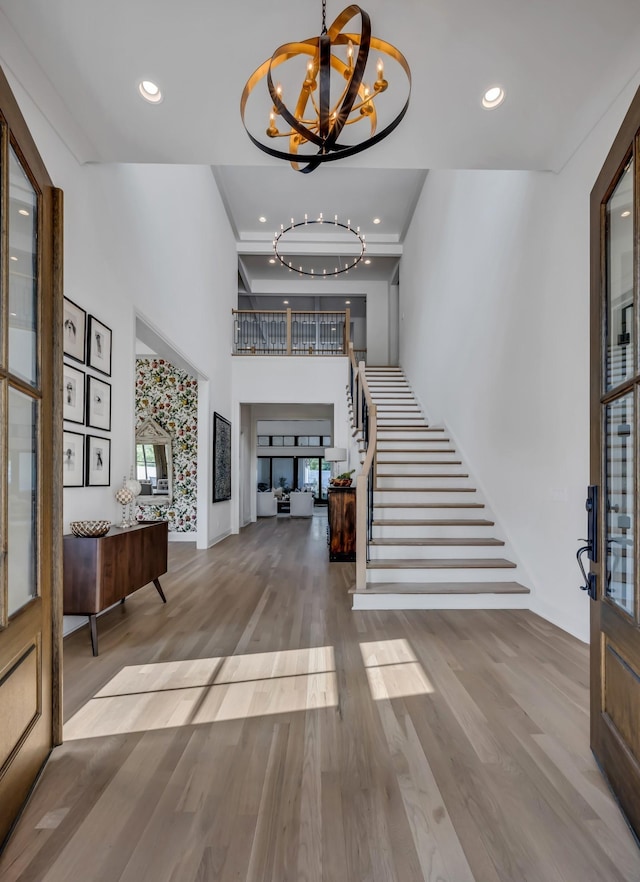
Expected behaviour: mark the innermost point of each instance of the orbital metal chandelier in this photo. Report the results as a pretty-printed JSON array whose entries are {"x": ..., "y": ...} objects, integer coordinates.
[
  {"x": 305, "y": 269},
  {"x": 319, "y": 120}
]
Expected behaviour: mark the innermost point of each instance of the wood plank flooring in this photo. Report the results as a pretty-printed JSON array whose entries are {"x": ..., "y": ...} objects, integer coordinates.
[{"x": 255, "y": 728}]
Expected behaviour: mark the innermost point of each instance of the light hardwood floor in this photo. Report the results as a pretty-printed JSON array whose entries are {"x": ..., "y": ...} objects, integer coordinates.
[{"x": 256, "y": 729}]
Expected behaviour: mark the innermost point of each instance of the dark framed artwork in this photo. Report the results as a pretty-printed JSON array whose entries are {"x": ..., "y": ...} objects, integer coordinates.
[
  {"x": 221, "y": 458},
  {"x": 98, "y": 461},
  {"x": 74, "y": 329},
  {"x": 73, "y": 459},
  {"x": 99, "y": 346},
  {"x": 73, "y": 387},
  {"x": 98, "y": 404}
]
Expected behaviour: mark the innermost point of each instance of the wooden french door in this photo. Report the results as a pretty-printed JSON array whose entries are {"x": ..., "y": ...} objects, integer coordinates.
[
  {"x": 615, "y": 467},
  {"x": 30, "y": 461}
]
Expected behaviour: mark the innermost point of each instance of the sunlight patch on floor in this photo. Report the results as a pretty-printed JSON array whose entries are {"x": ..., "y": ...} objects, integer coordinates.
[
  {"x": 393, "y": 670},
  {"x": 163, "y": 695}
]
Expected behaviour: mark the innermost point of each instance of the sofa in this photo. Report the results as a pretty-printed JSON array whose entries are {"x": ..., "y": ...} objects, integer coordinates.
[
  {"x": 301, "y": 505},
  {"x": 266, "y": 505}
]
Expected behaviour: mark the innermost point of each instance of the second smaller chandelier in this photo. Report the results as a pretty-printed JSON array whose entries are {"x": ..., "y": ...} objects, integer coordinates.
[{"x": 287, "y": 247}]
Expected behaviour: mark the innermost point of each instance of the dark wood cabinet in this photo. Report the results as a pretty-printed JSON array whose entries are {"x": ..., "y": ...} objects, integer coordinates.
[
  {"x": 342, "y": 523},
  {"x": 100, "y": 572}
]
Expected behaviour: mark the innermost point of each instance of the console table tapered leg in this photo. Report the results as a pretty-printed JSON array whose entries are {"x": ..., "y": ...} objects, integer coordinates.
[
  {"x": 94, "y": 634},
  {"x": 156, "y": 582}
]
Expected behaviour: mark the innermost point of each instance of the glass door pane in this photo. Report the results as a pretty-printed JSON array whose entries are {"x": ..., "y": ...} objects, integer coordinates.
[
  {"x": 22, "y": 489},
  {"x": 23, "y": 281},
  {"x": 325, "y": 477},
  {"x": 620, "y": 502},
  {"x": 619, "y": 270},
  {"x": 308, "y": 474},
  {"x": 283, "y": 473}
]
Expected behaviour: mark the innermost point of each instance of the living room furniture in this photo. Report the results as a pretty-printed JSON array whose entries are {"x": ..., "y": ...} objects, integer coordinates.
[
  {"x": 266, "y": 505},
  {"x": 342, "y": 523},
  {"x": 99, "y": 572},
  {"x": 301, "y": 505}
]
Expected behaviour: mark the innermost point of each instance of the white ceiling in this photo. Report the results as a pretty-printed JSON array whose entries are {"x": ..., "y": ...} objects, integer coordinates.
[{"x": 562, "y": 64}]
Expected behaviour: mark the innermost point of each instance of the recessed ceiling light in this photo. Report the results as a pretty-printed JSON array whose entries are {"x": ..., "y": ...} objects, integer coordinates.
[
  {"x": 493, "y": 97},
  {"x": 367, "y": 261},
  {"x": 377, "y": 220},
  {"x": 14, "y": 314},
  {"x": 625, "y": 214},
  {"x": 13, "y": 257},
  {"x": 272, "y": 260},
  {"x": 23, "y": 212},
  {"x": 285, "y": 301},
  {"x": 262, "y": 219},
  {"x": 150, "y": 91},
  {"x": 347, "y": 302}
]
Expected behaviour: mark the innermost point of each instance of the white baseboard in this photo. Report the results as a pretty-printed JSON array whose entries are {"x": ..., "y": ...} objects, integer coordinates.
[
  {"x": 183, "y": 537},
  {"x": 219, "y": 538}
]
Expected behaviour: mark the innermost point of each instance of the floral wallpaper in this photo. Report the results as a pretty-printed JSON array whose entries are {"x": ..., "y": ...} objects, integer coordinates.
[{"x": 170, "y": 396}]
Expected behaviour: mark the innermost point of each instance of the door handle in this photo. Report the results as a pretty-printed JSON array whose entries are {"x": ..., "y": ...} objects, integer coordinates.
[
  {"x": 591, "y": 546},
  {"x": 589, "y": 578}
]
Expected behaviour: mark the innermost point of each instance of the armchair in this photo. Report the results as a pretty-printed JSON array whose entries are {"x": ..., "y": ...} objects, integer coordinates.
[
  {"x": 301, "y": 505},
  {"x": 266, "y": 505}
]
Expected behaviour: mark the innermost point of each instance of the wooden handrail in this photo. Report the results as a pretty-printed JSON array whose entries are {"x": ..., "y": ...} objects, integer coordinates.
[{"x": 362, "y": 481}]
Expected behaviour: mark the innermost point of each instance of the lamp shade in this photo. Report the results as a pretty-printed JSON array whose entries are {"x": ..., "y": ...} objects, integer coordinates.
[{"x": 335, "y": 454}]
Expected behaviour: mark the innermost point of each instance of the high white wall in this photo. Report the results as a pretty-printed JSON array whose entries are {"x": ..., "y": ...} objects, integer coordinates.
[
  {"x": 285, "y": 380},
  {"x": 152, "y": 240},
  {"x": 494, "y": 337}
]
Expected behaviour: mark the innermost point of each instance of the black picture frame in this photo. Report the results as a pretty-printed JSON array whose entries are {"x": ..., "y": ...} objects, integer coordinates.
[
  {"x": 221, "y": 458},
  {"x": 98, "y": 461},
  {"x": 99, "y": 346},
  {"x": 74, "y": 330},
  {"x": 73, "y": 394},
  {"x": 98, "y": 404},
  {"x": 73, "y": 444}
]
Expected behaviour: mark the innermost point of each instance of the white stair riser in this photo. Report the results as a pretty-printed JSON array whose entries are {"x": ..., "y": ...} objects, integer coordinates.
[
  {"x": 389, "y": 458},
  {"x": 387, "y": 434},
  {"x": 427, "y": 552},
  {"x": 417, "y": 468},
  {"x": 423, "y": 496},
  {"x": 422, "y": 532},
  {"x": 381, "y": 512},
  {"x": 422, "y": 482},
  {"x": 425, "y": 445},
  {"x": 397, "y": 409},
  {"x": 475, "y": 574},
  {"x": 440, "y": 601}
]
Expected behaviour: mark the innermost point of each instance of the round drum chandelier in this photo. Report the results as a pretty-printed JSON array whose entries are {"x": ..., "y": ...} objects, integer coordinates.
[
  {"x": 326, "y": 105},
  {"x": 351, "y": 261}
]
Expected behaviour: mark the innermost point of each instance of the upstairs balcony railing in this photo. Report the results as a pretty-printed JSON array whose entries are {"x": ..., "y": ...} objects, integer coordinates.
[{"x": 290, "y": 332}]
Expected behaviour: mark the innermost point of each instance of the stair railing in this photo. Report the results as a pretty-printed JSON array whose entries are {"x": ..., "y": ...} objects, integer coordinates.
[{"x": 367, "y": 416}]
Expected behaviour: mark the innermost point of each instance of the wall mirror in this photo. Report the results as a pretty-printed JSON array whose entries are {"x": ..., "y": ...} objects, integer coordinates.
[{"x": 154, "y": 466}]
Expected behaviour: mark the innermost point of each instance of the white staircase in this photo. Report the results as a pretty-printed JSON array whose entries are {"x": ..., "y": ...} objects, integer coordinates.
[{"x": 434, "y": 545}]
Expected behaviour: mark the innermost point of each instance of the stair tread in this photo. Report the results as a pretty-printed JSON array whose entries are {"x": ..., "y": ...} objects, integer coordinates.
[
  {"x": 453, "y": 541},
  {"x": 414, "y": 450},
  {"x": 394, "y": 427},
  {"x": 427, "y": 462},
  {"x": 443, "y": 588},
  {"x": 433, "y": 522},
  {"x": 442, "y": 563}
]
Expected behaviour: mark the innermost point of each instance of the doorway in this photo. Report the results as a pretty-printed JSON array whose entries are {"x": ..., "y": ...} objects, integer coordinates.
[{"x": 614, "y": 497}]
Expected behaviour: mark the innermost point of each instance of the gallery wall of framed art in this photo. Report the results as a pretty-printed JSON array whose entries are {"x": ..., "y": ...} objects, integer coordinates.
[{"x": 86, "y": 398}]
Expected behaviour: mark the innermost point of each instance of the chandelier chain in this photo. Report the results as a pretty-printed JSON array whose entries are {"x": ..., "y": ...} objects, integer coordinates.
[{"x": 324, "y": 16}]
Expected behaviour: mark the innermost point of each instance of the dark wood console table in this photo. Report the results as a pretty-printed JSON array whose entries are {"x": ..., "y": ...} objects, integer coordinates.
[
  {"x": 342, "y": 523},
  {"x": 100, "y": 572}
]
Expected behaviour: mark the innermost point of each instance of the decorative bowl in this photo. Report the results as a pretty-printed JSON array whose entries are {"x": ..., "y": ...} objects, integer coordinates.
[
  {"x": 90, "y": 529},
  {"x": 340, "y": 482}
]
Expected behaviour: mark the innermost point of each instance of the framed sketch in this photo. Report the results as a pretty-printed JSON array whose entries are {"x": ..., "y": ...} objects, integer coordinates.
[
  {"x": 99, "y": 346},
  {"x": 73, "y": 385},
  {"x": 73, "y": 459},
  {"x": 98, "y": 404},
  {"x": 74, "y": 327},
  {"x": 221, "y": 458},
  {"x": 98, "y": 461}
]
